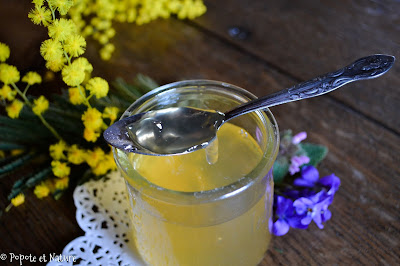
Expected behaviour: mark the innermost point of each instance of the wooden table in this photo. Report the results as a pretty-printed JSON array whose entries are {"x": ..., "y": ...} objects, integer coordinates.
[{"x": 280, "y": 43}]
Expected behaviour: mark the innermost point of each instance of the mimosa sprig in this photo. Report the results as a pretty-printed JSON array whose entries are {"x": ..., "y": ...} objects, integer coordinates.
[{"x": 62, "y": 137}]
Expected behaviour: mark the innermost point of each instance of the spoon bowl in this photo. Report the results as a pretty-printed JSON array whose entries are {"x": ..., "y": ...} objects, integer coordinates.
[{"x": 179, "y": 130}]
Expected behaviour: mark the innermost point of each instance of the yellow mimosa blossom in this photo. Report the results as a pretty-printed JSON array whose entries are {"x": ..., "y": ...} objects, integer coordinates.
[
  {"x": 40, "y": 105},
  {"x": 40, "y": 15},
  {"x": 41, "y": 190},
  {"x": 75, "y": 45},
  {"x": 84, "y": 64},
  {"x": 60, "y": 169},
  {"x": 38, "y": 2},
  {"x": 8, "y": 74},
  {"x": 14, "y": 108},
  {"x": 88, "y": 30},
  {"x": 61, "y": 183},
  {"x": 32, "y": 78},
  {"x": 51, "y": 50},
  {"x": 16, "y": 152},
  {"x": 57, "y": 150},
  {"x": 111, "y": 113},
  {"x": 76, "y": 155},
  {"x": 62, "y": 5},
  {"x": 56, "y": 63},
  {"x": 62, "y": 29},
  {"x": 75, "y": 96},
  {"x": 98, "y": 87},
  {"x": 92, "y": 119},
  {"x": 18, "y": 200},
  {"x": 7, "y": 93},
  {"x": 93, "y": 157},
  {"x": 90, "y": 135},
  {"x": 74, "y": 74},
  {"x": 110, "y": 161},
  {"x": 4, "y": 52},
  {"x": 2, "y": 154},
  {"x": 191, "y": 9},
  {"x": 107, "y": 51},
  {"x": 101, "y": 168}
]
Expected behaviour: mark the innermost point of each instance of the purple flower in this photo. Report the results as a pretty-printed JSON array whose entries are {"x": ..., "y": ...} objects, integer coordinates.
[
  {"x": 296, "y": 162},
  {"x": 299, "y": 137},
  {"x": 286, "y": 217},
  {"x": 314, "y": 208},
  {"x": 284, "y": 210},
  {"x": 309, "y": 176},
  {"x": 331, "y": 182}
]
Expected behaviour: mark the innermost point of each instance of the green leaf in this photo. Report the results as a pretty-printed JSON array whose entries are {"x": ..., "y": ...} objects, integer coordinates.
[
  {"x": 6, "y": 146},
  {"x": 16, "y": 163},
  {"x": 280, "y": 169},
  {"x": 315, "y": 152},
  {"x": 29, "y": 181},
  {"x": 145, "y": 82}
]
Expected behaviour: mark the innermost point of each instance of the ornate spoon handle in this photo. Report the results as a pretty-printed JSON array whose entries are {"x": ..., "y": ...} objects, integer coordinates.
[{"x": 364, "y": 68}]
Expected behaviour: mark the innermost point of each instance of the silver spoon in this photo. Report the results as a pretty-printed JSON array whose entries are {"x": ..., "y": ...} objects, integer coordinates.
[{"x": 179, "y": 130}]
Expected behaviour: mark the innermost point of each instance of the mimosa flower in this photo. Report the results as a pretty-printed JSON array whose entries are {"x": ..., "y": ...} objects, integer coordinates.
[
  {"x": 40, "y": 15},
  {"x": 60, "y": 169},
  {"x": 14, "y": 108},
  {"x": 98, "y": 87},
  {"x": 62, "y": 5},
  {"x": 62, "y": 29},
  {"x": 16, "y": 152},
  {"x": 100, "y": 169},
  {"x": 18, "y": 200},
  {"x": 84, "y": 64},
  {"x": 8, "y": 74},
  {"x": 76, "y": 155},
  {"x": 57, "y": 150},
  {"x": 38, "y": 2},
  {"x": 4, "y": 52},
  {"x": 51, "y": 50},
  {"x": 73, "y": 75},
  {"x": 41, "y": 191},
  {"x": 90, "y": 135},
  {"x": 7, "y": 93},
  {"x": 32, "y": 78},
  {"x": 75, "y": 96},
  {"x": 40, "y": 105},
  {"x": 56, "y": 63},
  {"x": 61, "y": 183},
  {"x": 107, "y": 51},
  {"x": 92, "y": 119},
  {"x": 94, "y": 156},
  {"x": 75, "y": 45},
  {"x": 111, "y": 113}
]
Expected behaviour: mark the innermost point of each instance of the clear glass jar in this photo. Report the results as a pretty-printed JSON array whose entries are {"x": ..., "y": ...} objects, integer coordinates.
[{"x": 227, "y": 225}]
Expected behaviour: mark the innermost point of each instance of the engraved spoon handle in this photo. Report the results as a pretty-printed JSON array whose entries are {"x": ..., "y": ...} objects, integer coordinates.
[{"x": 364, "y": 68}]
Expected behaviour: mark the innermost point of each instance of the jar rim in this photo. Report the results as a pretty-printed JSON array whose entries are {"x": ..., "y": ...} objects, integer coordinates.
[{"x": 227, "y": 191}]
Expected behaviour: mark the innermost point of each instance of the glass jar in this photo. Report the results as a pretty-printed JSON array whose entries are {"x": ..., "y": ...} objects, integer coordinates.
[{"x": 226, "y": 225}]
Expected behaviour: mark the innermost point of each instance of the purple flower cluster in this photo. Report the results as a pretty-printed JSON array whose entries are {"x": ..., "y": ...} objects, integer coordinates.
[{"x": 305, "y": 200}]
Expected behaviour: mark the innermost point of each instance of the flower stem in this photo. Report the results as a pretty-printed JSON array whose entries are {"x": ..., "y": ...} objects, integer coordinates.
[
  {"x": 52, "y": 10},
  {"x": 26, "y": 89},
  {"x": 26, "y": 100}
]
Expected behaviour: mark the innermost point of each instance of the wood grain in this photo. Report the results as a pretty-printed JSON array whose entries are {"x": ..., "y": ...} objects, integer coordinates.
[
  {"x": 364, "y": 149},
  {"x": 308, "y": 38}
]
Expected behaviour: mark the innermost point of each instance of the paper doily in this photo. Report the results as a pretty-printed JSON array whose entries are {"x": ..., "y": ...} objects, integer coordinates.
[{"x": 103, "y": 213}]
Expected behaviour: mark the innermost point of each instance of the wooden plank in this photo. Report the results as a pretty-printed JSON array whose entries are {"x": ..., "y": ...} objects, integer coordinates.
[
  {"x": 308, "y": 38},
  {"x": 364, "y": 226},
  {"x": 363, "y": 154}
]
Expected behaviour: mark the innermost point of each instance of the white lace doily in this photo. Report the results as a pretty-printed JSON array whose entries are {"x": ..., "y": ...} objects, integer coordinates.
[{"x": 103, "y": 213}]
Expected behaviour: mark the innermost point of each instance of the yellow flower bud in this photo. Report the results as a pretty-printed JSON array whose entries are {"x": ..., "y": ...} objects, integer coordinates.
[{"x": 18, "y": 200}]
